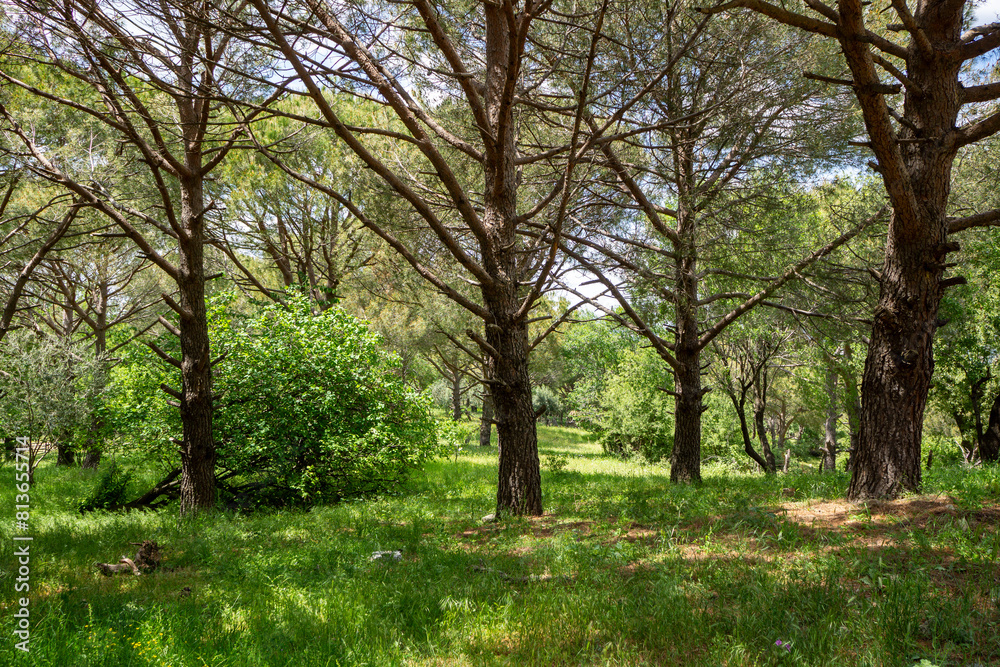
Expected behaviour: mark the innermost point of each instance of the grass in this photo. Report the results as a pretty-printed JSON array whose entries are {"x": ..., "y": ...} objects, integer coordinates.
[{"x": 624, "y": 569}]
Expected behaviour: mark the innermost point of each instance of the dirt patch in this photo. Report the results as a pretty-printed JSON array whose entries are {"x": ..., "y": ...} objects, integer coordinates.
[
  {"x": 541, "y": 526},
  {"x": 906, "y": 513}
]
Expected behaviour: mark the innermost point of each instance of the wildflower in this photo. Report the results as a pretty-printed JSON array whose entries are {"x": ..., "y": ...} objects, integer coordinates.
[{"x": 785, "y": 645}]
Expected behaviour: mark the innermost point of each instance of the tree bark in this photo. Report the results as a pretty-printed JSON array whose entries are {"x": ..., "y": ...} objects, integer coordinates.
[
  {"x": 685, "y": 461},
  {"x": 830, "y": 427},
  {"x": 519, "y": 487},
  {"x": 486, "y": 420},
  {"x": 198, "y": 445}
]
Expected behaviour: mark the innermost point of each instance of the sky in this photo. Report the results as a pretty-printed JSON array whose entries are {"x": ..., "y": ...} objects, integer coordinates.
[{"x": 988, "y": 12}]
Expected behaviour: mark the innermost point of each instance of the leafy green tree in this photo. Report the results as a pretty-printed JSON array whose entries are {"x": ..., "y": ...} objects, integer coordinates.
[
  {"x": 937, "y": 101},
  {"x": 497, "y": 144},
  {"x": 155, "y": 94},
  {"x": 49, "y": 388},
  {"x": 709, "y": 199}
]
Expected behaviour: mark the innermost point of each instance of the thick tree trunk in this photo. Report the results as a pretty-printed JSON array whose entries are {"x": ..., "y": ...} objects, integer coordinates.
[
  {"x": 989, "y": 446},
  {"x": 519, "y": 488},
  {"x": 685, "y": 461},
  {"x": 900, "y": 358},
  {"x": 198, "y": 445},
  {"x": 898, "y": 373}
]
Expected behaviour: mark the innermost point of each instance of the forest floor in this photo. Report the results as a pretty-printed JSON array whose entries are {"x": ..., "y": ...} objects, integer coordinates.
[{"x": 623, "y": 569}]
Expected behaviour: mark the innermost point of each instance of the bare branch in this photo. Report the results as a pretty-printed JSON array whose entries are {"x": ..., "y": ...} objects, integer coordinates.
[{"x": 987, "y": 219}]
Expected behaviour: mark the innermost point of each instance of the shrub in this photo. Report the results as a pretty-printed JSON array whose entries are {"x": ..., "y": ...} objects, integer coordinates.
[
  {"x": 636, "y": 414},
  {"x": 312, "y": 407},
  {"x": 109, "y": 491}
]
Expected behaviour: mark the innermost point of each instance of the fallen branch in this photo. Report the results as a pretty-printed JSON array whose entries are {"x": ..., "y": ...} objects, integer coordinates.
[
  {"x": 147, "y": 557},
  {"x": 124, "y": 566}
]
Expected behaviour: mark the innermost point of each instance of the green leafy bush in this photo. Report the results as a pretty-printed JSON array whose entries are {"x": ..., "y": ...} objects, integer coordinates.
[
  {"x": 636, "y": 414},
  {"x": 110, "y": 489},
  {"x": 312, "y": 407}
]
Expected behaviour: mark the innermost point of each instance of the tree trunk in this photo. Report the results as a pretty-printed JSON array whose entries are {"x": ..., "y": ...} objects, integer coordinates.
[
  {"x": 976, "y": 397},
  {"x": 93, "y": 444},
  {"x": 852, "y": 404},
  {"x": 64, "y": 453},
  {"x": 486, "y": 421},
  {"x": 900, "y": 358},
  {"x": 968, "y": 448},
  {"x": 685, "y": 461},
  {"x": 897, "y": 378},
  {"x": 989, "y": 446},
  {"x": 741, "y": 412},
  {"x": 456, "y": 395},
  {"x": 519, "y": 488},
  {"x": 830, "y": 427},
  {"x": 759, "y": 406},
  {"x": 198, "y": 445}
]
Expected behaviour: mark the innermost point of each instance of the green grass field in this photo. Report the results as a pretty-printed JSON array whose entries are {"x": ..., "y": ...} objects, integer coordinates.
[{"x": 623, "y": 569}]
